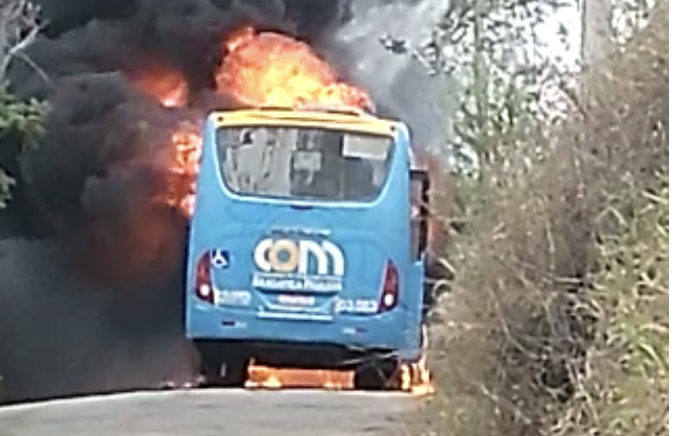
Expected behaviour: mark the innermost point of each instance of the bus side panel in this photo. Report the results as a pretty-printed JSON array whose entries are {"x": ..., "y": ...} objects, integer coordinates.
[
  {"x": 415, "y": 276},
  {"x": 414, "y": 300}
]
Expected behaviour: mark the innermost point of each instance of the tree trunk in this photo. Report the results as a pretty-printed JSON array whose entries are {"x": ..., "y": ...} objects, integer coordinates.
[{"x": 595, "y": 30}]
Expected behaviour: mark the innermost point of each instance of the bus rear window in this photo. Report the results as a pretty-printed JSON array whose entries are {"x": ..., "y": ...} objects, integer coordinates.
[{"x": 303, "y": 163}]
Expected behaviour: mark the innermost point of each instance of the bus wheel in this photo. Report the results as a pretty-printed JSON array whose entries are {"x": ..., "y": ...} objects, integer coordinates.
[
  {"x": 377, "y": 375},
  {"x": 231, "y": 372},
  {"x": 236, "y": 372}
]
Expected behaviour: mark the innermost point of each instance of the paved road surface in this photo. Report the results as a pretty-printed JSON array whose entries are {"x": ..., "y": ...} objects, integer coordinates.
[{"x": 215, "y": 412}]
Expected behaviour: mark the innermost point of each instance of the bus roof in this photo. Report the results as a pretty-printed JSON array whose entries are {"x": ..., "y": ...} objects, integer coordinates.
[{"x": 355, "y": 121}]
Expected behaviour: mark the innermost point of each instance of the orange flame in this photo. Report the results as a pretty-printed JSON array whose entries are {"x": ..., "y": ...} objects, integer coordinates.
[
  {"x": 414, "y": 378},
  {"x": 265, "y": 69},
  {"x": 183, "y": 172},
  {"x": 270, "y": 69},
  {"x": 166, "y": 85},
  {"x": 169, "y": 88},
  {"x": 264, "y": 377}
]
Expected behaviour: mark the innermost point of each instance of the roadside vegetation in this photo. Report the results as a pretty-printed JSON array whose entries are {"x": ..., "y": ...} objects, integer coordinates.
[
  {"x": 21, "y": 124},
  {"x": 558, "y": 319}
]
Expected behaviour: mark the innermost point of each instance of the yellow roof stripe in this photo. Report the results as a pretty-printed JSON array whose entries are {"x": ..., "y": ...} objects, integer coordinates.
[{"x": 299, "y": 118}]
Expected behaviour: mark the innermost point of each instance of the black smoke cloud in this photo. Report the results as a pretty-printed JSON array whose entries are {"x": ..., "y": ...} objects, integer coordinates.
[
  {"x": 86, "y": 57},
  {"x": 90, "y": 267}
]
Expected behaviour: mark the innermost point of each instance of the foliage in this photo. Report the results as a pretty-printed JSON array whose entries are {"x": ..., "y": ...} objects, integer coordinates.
[
  {"x": 558, "y": 321},
  {"x": 502, "y": 70},
  {"x": 26, "y": 118},
  {"x": 626, "y": 388},
  {"x": 18, "y": 29}
]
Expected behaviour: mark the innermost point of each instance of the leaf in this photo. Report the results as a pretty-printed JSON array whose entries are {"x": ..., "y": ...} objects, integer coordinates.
[{"x": 652, "y": 354}]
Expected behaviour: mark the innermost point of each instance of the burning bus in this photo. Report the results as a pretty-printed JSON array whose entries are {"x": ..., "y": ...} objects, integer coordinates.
[
  {"x": 307, "y": 233},
  {"x": 303, "y": 248}
]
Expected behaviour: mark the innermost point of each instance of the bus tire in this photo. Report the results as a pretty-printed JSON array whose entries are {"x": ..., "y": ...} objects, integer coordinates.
[
  {"x": 225, "y": 373},
  {"x": 237, "y": 372},
  {"x": 377, "y": 375}
]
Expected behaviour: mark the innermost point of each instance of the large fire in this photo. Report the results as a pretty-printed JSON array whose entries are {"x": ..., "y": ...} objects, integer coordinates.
[
  {"x": 269, "y": 69},
  {"x": 181, "y": 182},
  {"x": 258, "y": 69},
  {"x": 413, "y": 378}
]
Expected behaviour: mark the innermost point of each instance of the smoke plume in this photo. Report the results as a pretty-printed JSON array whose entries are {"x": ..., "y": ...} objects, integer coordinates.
[{"x": 91, "y": 267}]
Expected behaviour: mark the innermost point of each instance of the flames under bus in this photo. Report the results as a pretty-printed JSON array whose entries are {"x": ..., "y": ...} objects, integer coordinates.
[{"x": 302, "y": 250}]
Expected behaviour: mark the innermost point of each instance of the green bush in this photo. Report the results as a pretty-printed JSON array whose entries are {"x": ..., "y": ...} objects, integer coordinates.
[{"x": 25, "y": 120}]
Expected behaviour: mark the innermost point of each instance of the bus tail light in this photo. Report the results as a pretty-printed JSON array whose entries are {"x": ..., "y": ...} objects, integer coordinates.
[
  {"x": 391, "y": 288},
  {"x": 203, "y": 279}
]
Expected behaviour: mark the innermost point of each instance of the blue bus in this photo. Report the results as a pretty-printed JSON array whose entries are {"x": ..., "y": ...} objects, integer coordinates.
[{"x": 307, "y": 245}]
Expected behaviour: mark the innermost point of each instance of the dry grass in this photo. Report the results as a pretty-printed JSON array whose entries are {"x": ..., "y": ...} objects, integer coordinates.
[{"x": 560, "y": 314}]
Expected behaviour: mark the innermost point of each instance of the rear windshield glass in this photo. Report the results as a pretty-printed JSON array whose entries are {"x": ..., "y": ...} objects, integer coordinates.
[{"x": 303, "y": 163}]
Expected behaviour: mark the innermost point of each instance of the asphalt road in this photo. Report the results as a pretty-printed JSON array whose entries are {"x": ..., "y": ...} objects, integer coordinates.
[{"x": 217, "y": 413}]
